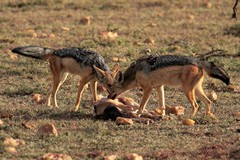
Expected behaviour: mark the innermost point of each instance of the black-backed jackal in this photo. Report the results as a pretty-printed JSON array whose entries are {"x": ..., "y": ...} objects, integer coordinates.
[
  {"x": 150, "y": 72},
  {"x": 85, "y": 63}
]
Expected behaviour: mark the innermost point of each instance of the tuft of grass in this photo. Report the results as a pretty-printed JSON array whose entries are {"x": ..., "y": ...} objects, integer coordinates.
[{"x": 21, "y": 91}]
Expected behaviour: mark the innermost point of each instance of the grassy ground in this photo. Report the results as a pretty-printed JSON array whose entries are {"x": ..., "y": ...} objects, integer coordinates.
[{"x": 187, "y": 27}]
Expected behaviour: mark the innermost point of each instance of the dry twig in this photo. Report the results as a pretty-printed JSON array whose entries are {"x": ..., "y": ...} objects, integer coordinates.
[
  {"x": 215, "y": 53},
  {"x": 235, "y": 10}
]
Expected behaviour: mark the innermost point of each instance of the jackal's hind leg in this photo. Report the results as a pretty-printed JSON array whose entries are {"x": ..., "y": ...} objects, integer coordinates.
[
  {"x": 145, "y": 98},
  {"x": 58, "y": 80},
  {"x": 161, "y": 99},
  {"x": 82, "y": 83}
]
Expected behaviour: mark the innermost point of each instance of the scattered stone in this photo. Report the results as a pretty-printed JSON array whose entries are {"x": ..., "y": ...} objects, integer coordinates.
[
  {"x": 135, "y": 43},
  {"x": 152, "y": 24},
  {"x": 13, "y": 56},
  {"x": 29, "y": 125},
  {"x": 86, "y": 20},
  {"x": 177, "y": 110},
  {"x": 110, "y": 157},
  {"x": 109, "y": 35},
  {"x": 123, "y": 59},
  {"x": 48, "y": 129},
  {"x": 147, "y": 51},
  {"x": 191, "y": 17},
  {"x": 10, "y": 149},
  {"x": 30, "y": 30},
  {"x": 212, "y": 96},
  {"x": 34, "y": 35},
  {"x": 55, "y": 156},
  {"x": 65, "y": 29},
  {"x": 115, "y": 59},
  {"x": 36, "y": 97},
  {"x": 11, "y": 142},
  {"x": 158, "y": 111},
  {"x": 149, "y": 40},
  {"x": 188, "y": 122},
  {"x": 134, "y": 156},
  {"x": 42, "y": 35},
  {"x": 208, "y": 5},
  {"x": 51, "y": 35},
  {"x": 20, "y": 142}
]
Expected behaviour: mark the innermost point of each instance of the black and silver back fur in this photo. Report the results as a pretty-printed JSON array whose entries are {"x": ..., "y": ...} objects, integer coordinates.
[
  {"x": 83, "y": 57},
  {"x": 153, "y": 62}
]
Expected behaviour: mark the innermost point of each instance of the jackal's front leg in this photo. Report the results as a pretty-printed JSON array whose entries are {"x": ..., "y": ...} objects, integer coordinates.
[
  {"x": 201, "y": 95},
  {"x": 93, "y": 85},
  {"x": 82, "y": 83},
  {"x": 161, "y": 99},
  {"x": 145, "y": 98},
  {"x": 49, "y": 97}
]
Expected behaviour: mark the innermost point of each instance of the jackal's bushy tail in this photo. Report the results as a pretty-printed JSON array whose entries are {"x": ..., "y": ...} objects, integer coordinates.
[
  {"x": 215, "y": 71},
  {"x": 34, "y": 52}
]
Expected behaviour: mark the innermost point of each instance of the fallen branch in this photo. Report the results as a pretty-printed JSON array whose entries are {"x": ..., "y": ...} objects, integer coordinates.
[
  {"x": 215, "y": 53},
  {"x": 235, "y": 10}
]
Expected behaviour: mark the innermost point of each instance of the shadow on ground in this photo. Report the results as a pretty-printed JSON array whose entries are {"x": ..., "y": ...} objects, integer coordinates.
[{"x": 233, "y": 30}]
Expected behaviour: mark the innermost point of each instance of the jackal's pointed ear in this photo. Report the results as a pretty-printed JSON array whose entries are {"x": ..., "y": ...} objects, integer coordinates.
[
  {"x": 98, "y": 71},
  {"x": 115, "y": 68},
  {"x": 119, "y": 77}
]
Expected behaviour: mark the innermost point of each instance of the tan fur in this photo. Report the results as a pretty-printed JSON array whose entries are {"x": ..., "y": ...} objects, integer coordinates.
[
  {"x": 188, "y": 77},
  {"x": 61, "y": 67}
]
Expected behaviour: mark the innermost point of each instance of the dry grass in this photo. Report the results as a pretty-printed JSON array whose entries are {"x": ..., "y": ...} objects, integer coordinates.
[{"x": 187, "y": 27}]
